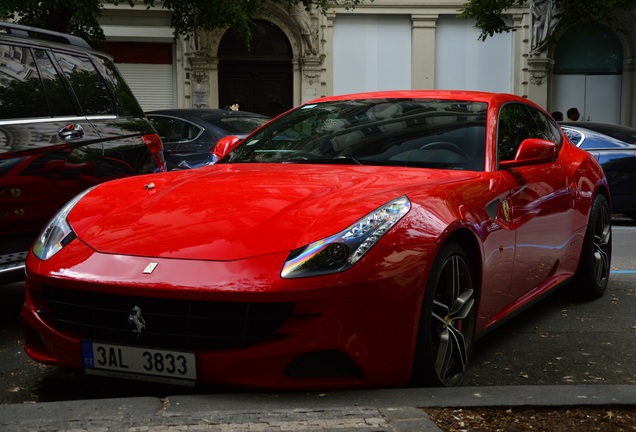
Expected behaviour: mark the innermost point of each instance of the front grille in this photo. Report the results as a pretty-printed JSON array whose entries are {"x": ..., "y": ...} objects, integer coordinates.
[{"x": 169, "y": 323}]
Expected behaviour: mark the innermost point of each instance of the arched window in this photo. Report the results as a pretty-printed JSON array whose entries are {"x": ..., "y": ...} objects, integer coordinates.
[
  {"x": 268, "y": 41},
  {"x": 589, "y": 48},
  {"x": 257, "y": 75}
]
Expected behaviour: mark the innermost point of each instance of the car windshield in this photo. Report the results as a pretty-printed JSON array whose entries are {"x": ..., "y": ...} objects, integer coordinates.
[{"x": 447, "y": 134}]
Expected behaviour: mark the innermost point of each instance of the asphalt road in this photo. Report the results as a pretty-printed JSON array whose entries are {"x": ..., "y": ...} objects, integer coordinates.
[{"x": 561, "y": 340}]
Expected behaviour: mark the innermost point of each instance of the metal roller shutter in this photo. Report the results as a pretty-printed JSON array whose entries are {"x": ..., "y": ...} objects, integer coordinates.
[{"x": 152, "y": 84}]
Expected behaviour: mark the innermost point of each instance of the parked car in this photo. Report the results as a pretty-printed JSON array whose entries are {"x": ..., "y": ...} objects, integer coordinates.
[
  {"x": 67, "y": 122},
  {"x": 623, "y": 133},
  {"x": 190, "y": 134},
  {"x": 617, "y": 157},
  {"x": 356, "y": 241}
]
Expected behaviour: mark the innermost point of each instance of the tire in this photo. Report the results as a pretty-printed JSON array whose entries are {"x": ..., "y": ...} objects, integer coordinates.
[
  {"x": 446, "y": 329},
  {"x": 596, "y": 255}
]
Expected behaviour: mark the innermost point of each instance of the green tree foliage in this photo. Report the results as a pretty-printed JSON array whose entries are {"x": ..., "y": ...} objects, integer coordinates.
[
  {"x": 79, "y": 17},
  {"x": 490, "y": 14}
]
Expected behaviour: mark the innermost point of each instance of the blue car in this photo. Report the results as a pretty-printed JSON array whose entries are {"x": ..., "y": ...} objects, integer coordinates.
[{"x": 615, "y": 149}]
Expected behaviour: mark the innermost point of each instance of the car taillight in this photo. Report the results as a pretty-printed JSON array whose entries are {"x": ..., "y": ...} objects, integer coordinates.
[{"x": 156, "y": 148}]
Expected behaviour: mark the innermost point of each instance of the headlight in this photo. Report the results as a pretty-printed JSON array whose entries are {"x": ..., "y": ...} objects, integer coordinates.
[
  {"x": 58, "y": 233},
  {"x": 341, "y": 251}
]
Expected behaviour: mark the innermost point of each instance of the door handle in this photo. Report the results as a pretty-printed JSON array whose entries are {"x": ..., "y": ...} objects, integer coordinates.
[{"x": 71, "y": 132}]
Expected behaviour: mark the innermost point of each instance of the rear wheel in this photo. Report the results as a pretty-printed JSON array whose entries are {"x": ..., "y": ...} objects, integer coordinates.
[
  {"x": 596, "y": 255},
  {"x": 447, "y": 321}
]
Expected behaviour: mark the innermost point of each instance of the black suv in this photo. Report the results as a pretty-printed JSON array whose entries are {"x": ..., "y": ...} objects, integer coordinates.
[{"x": 67, "y": 121}]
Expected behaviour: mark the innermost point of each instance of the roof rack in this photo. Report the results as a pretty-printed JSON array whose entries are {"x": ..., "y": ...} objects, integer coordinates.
[{"x": 27, "y": 31}]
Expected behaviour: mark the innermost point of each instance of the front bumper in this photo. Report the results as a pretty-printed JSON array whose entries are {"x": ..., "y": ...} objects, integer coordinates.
[{"x": 353, "y": 329}]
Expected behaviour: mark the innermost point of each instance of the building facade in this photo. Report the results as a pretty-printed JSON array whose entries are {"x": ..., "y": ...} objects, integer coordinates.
[{"x": 298, "y": 55}]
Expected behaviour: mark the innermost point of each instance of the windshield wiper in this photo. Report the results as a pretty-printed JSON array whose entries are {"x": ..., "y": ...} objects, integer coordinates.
[{"x": 348, "y": 158}]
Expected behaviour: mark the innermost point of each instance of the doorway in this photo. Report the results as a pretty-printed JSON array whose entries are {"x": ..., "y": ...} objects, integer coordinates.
[
  {"x": 257, "y": 75},
  {"x": 588, "y": 67}
]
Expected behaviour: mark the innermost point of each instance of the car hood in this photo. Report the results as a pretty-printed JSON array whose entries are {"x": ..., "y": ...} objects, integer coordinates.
[{"x": 234, "y": 211}]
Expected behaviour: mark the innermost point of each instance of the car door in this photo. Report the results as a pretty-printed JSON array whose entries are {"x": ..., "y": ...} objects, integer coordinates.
[
  {"x": 539, "y": 203},
  {"x": 113, "y": 112},
  {"x": 44, "y": 143}
]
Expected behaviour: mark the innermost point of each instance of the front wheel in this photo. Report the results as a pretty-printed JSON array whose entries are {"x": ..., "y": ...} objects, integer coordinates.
[
  {"x": 447, "y": 321},
  {"x": 596, "y": 255}
]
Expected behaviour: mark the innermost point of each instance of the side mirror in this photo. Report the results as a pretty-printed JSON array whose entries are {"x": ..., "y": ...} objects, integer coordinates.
[
  {"x": 224, "y": 146},
  {"x": 533, "y": 151}
]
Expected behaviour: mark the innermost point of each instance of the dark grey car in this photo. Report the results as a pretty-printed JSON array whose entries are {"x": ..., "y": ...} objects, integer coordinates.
[
  {"x": 68, "y": 121},
  {"x": 189, "y": 134}
]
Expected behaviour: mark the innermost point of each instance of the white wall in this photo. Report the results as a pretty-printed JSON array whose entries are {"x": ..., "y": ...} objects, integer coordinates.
[
  {"x": 463, "y": 62},
  {"x": 371, "y": 52}
]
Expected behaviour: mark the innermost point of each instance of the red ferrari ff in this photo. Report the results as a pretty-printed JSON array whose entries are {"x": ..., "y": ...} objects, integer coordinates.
[{"x": 356, "y": 241}]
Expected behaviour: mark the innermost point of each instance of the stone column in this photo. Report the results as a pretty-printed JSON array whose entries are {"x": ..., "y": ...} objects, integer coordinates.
[
  {"x": 311, "y": 78},
  {"x": 538, "y": 89},
  {"x": 199, "y": 70},
  {"x": 521, "y": 50},
  {"x": 628, "y": 92},
  {"x": 327, "y": 87},
  {"x": 423, "y": 51}
]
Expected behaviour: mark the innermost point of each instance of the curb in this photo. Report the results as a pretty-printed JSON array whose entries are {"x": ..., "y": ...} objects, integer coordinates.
[{"x": 390, "y": 410}]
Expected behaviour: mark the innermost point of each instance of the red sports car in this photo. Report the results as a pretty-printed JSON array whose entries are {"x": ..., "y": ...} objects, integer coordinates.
[{"x": 356, "y": 241}]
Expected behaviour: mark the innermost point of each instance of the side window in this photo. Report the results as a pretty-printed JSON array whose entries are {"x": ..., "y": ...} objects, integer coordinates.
[
  {"x": 515, "y": 125},
  {"x": 60, "y": 101},
  {"x": 87, "y": 84},
  {"x": 575, "y": 136},
  {"x": 171, "y": 129},
  {"x": 546, "y": 128},
  {"x": 518, "y": 122},
  {"x": 21, "y": 92}
]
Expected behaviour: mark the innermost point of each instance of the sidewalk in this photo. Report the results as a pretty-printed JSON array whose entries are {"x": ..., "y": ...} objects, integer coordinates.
[{"x": 392, "y": 410}]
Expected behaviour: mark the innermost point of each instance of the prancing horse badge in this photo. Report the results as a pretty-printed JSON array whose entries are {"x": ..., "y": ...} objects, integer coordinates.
[{"x": 136, "y": 319}]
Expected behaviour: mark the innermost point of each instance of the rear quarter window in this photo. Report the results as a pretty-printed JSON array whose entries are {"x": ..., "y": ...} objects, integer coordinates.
[
  {"x": 87, "y": 84},
  {"x": 125, "y": 101}
]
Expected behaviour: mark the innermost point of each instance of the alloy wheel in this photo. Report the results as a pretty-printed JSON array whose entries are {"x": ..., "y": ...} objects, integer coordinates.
[
  {"x": 452, "y": 323},
  {"x": 602, "y": 245}
]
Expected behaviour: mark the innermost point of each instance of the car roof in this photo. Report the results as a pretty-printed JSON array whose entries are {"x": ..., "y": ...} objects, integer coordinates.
[
  {"x": 28, "y": 32},
  {"x": 203, "y": 113},
  {"x": 598, "y": 125},
  {"x": 464, "y": 95},
  {"x": 50, "y": 39}
]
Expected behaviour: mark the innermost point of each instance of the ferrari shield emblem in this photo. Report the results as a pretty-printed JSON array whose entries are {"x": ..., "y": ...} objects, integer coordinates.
[
  {"x": 16, "y": 192},
  {"x": 505, "y": 208},
  {"x": 19, "y": 212}
]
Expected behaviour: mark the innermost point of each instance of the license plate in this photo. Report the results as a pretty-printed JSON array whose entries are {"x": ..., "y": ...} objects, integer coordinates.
[{"x": 138, "y": 361}]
